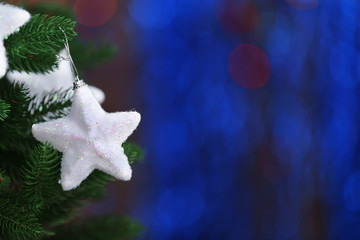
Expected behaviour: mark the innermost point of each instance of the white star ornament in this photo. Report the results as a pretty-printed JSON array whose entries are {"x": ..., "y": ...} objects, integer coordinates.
[
  {"x": 11, "y": 18},
  {"x": 89, "y": 138}
]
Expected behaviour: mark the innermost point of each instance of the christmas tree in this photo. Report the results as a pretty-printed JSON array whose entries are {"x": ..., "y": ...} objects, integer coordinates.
[{"x": 35, "y": 90}]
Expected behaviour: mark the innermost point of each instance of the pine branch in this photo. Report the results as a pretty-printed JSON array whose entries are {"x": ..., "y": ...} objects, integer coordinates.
[
  {"x": 99, "y": 228},
  {"x": 18, "y": 224},
  {"x": 35, "y": 46},
  {"x": 4, "y": 110},
  {"x": 51, "y": 106},
  {"x": 86, "y": 55},
  {"x": 67, "y": 203},
  {"x": 15, "y": 130},
  {"x": 31, "y": 196},
  {"x": 133, "y": 152},
  {"x": 41, "y": 173},
  {"x": 93, "y": 187},
  {"x": 43, "y": 194}
]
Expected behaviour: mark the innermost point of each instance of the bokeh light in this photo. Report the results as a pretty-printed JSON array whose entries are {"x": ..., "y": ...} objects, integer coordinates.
[
  {"x": 249, "y": 66},
  {"x": 93, "y": 13}
]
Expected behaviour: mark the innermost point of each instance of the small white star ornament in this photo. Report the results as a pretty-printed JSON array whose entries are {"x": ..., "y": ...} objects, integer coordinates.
[
  {"x": 61, "y": 78},
  {"x": 89, "y": 139},
  {"x": 11, "y": 18}
]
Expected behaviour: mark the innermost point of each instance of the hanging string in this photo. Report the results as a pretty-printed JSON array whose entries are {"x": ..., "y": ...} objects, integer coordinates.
[
  {"x": 78, "y": 83},
  {"x": 67, "y": 47}
]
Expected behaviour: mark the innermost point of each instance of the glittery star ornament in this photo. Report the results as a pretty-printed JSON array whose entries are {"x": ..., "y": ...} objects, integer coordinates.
[
  {"x": 89, "y": 139},
  {"x": 61, "y": 78},
  {"x": 11, "y": 18}
]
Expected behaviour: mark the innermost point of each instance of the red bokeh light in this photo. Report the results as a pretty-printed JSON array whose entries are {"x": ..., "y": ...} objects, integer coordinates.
[
  {"x": 92, "y": 13},
  {"x": 249, "y": 66},
  {"x": 238, "y": 18},
  {"x": 303, "y": 4}
]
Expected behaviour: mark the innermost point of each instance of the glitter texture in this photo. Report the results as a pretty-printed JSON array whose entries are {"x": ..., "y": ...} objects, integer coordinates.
[
  {"x": 11, "y": 18},
  {"x": 89, "y": 138}
]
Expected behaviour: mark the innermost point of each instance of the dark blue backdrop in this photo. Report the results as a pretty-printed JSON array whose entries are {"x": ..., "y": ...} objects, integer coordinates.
[{"x": 250, "y": 119}]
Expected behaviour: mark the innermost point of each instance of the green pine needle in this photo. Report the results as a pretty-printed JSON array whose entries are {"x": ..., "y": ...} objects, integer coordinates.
[
  {"x": 15, "y": 130},
  {"x": 35, "y": 47},
  {"x": 41, "y": 173},
  {"x": 65, "y": 204},
  {"x": 4, "y": 110},
  {"x": 32, "y": 200},
  {"x": 86, "y": 55},
  {"x": 51, "y": 106},
  {"x": 18, "y": 224},
  {"x": 133, "y": 152}
]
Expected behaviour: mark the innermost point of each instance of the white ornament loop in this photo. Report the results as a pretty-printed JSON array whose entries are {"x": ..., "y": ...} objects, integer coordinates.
[{"x": 78, "y": 84}]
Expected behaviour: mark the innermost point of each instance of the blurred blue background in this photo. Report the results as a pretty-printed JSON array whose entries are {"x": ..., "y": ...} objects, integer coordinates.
[{"x": 249, "y": 116}]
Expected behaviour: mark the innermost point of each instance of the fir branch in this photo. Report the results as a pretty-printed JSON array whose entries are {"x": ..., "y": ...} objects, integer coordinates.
[
  {"x": 15, "y": 130},
  {"x": 58, "y": 206},
  {"x": 40, "y": 174},
  {"x": 51, "y": 106},
  {"x": 133, "y": 152},
  {"x": 40, "y": 200},
  {"x": 86, "y": 55},
  {"x": 4, "y": 110},
  {"x": 18, "y": 224},
  {"x": 99, "y": 228},
  {"x": 35, "y": 46},
  {"x": 65, "y": 204},
  {"x": 93, "y": 186}
]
